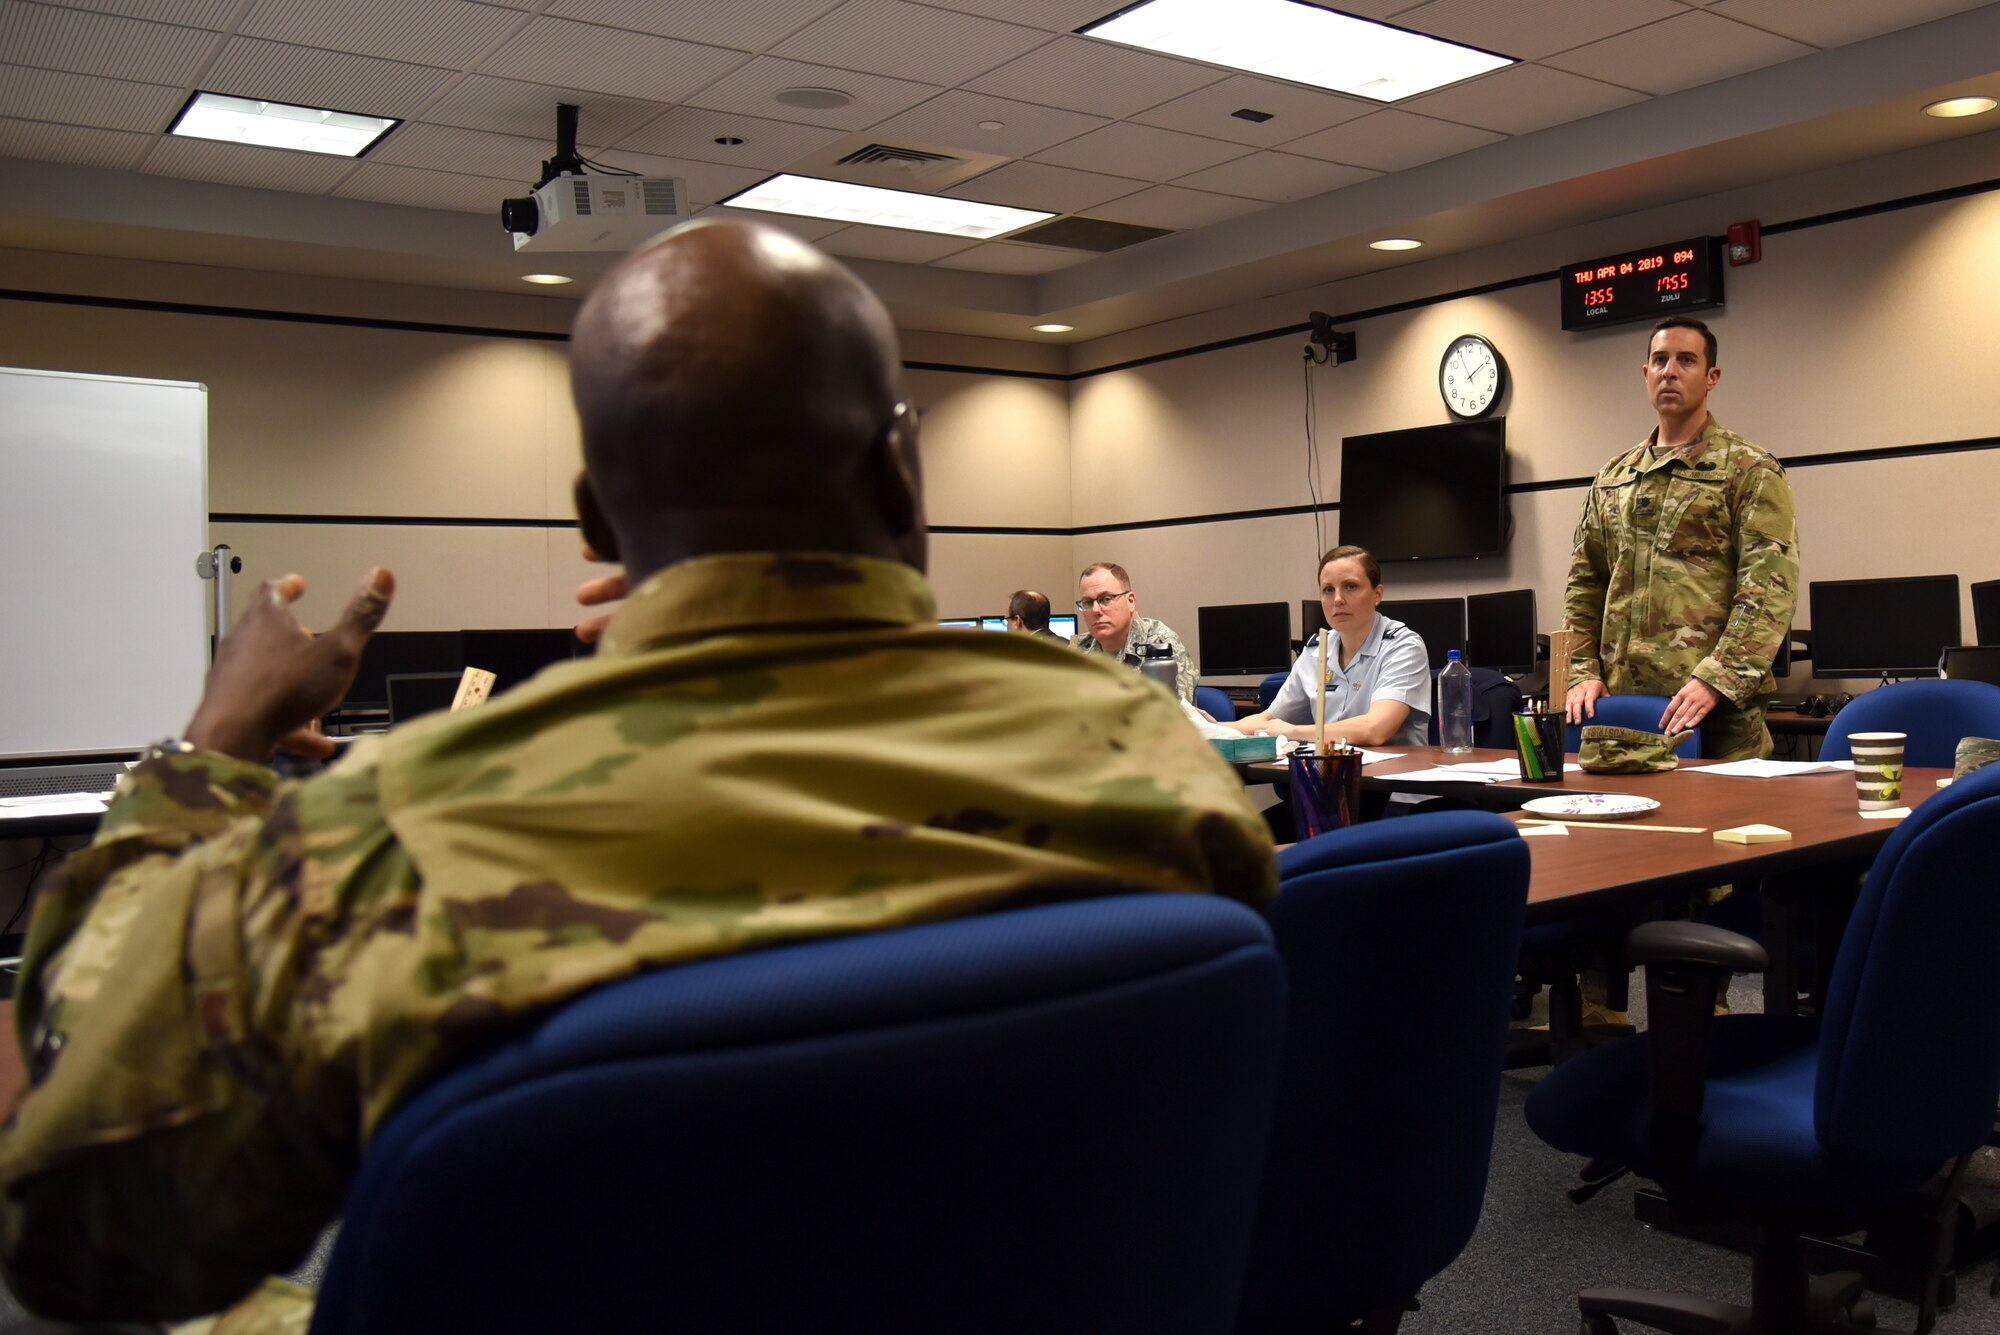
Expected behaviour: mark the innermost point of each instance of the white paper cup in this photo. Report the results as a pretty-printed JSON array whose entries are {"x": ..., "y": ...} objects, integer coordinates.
[{"x": 1878, "y": 768}]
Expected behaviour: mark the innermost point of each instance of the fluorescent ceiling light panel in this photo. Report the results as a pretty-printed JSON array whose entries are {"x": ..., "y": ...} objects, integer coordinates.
[
  {"x": 874, "y": 206},
  {"x": 1300, "y": 42},
  {"x": 245, "y": 120}
]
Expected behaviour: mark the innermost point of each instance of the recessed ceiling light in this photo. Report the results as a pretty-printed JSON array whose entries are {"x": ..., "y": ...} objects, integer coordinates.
[
  {"x": 813, "y": 99},
  {"x": 1054, "y": 328},
  {"x": 246, "y": 120},
  {"x": 993, "y": 125},
  {"x": 728, "y": 140},
  {"x": 552, "y": 279},
  {"x": 875, "y": 206},
  {"x": 1953, "y": 107},
  {"x": 1395, "y": 243},
  {"x": 1299, "y": 42}
]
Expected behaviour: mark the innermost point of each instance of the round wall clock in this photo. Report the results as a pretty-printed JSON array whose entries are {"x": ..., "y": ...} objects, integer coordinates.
[{"x": 1471, "y": 376}]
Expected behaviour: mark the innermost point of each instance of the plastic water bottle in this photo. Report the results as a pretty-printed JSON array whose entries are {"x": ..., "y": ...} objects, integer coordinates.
[{"x": 1454, "y": 704}]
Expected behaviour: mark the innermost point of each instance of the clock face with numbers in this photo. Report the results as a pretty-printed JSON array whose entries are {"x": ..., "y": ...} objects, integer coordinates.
[{"x": 1471, "y": 376}]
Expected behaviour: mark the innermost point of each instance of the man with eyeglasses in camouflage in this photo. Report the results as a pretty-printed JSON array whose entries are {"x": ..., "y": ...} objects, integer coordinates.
[{"x": 1112, "y": 625}]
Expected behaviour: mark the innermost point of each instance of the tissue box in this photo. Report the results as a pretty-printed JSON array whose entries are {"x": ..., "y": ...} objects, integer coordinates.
[{"x": 1237, "y": 750}]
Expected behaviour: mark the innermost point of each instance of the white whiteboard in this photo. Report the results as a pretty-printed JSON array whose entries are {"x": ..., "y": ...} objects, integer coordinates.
[{"x": 103, "y": 512}]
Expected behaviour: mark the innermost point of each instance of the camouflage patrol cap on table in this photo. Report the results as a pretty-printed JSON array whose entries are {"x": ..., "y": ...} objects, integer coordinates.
[
  {"x": 1973, "y": 753},
  {"x": 1607, "y": 750}
]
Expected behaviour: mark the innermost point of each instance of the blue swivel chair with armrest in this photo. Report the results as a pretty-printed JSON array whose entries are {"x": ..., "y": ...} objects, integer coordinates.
[
  {"x": 1267, "y": 689},
  {"x": 1217, "y": 702},
  {"x": 1052, "y": 1118},
  {"x": 1378, "y": 1158},
  {"x": 1555, "y": 953},
  {"x": 1934, "y": 714},
  {"x": 1807, "y": 1124}
]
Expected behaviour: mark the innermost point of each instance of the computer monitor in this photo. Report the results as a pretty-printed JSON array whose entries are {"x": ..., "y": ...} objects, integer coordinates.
[
  {"x": 415, "y": 693},
  {"x": 513, "y": 656},
  {"x": 993, "y": 623},
  {"x": 1500, "y": 630},
  {"x": 959, "y": 623},
  {"x": 1986, "y": 611},
  {"x": 400, "y": 651},
  {"x": 1440, "y": 621},
  {"x": 1312, "y": 617},
  {"x": 1882, "y": 627},
  {"x": 1245, "y": 639},
  {"x": 1064, "y": 625}
]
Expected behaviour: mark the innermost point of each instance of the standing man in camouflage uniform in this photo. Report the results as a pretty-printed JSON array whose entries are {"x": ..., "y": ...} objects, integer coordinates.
[
  {"x": 1112, "y": 625},
  {"x": 230, "y": 989},
  {"x": 1686, "y": 567}
]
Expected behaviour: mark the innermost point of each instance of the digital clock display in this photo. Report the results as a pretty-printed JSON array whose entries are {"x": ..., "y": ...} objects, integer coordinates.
[{"x": 1642, "y": 285}]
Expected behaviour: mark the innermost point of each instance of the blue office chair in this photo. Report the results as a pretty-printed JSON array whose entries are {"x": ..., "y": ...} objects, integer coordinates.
[
  {"x": 1050, "y": 1118},
  {"x": 1935, "y": 714},
  {"x": 1384, "y": 1126},
  {"x": 1267, "y": 689},
  {"x": 1811, "y": 1124},
  {"x": 1643, "y": 712},
  {"x": 1217, "y": 702}
]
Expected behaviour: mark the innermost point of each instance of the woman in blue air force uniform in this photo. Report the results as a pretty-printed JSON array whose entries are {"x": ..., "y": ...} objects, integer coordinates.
[{"x": 1377, "y": 673}]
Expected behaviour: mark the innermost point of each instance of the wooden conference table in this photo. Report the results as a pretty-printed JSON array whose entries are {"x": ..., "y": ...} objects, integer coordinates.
[{"x": 1611, "y": 860}]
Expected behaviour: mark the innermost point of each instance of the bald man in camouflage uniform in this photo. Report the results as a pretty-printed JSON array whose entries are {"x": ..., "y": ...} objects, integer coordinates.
[
  {"x": 231, "y": 988},
  {"x": 1686, "y": 566}
]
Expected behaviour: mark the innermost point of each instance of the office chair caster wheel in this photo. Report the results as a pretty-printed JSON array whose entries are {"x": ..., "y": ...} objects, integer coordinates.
[{"x": 1596, "y": 1323}]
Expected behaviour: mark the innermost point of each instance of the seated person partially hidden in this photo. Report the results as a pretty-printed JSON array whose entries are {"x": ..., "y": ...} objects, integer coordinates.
[
  {"x": 1028, "y": 612},
  {"x": 1372, "y": 671},
  {"x": 226, "y": 994}
]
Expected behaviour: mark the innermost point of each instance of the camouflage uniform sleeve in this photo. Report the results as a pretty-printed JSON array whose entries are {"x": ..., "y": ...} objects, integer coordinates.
[
  {"x": 1583, "y": 598},
  {"x": 160, "y": 1162},
  {"x": 1767, "y": 588}
]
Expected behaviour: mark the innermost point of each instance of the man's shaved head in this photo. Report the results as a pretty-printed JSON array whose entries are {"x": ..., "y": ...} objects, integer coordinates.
[{"x": 739, "y": 392}]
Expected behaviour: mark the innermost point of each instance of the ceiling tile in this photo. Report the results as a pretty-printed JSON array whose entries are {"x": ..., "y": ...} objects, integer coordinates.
[
  {"x": 1531, "y": 29},
  {"x": 511, "y": 106},
  {"x": 76, "y": 144},
  {"x": 116, "y": 48},
  {"x": 212, "y": 14},
  {"x": 413, "y": 188},
  {"x": 470, "y": 152},
  {"x": 610, "y": 60},
  {"x": 333, "y": 79},
  {"x": 1048, "y": 15},
  {"x": 246, "y": 164},
  {"x": 732, "y": 23},
  {"x": 1522, "y": 98},
  {"x": 952, "y": 119},
  {"x": 1001, "y": 257},
  {"x": 1295, "y": 111},
  {"x": 1175, "y": 207},
  {"x": 451, "y": 33},
  {"x": 1142, "y": 151},
  {"x": 1081, "y": 75},
  {"x": 891, "y": 37},
  {"x": 893, "y": 243},
  {"x": 80, "y": 99},
  {"x": 753, "y": 88},
  {"x": 1038, "y": 185},
  {"x": 768, "y": 145},
  {"x": 707, "y": 182},
  {"x": 1391, "y": 140},
  {"x": 1276, "y": 177},
  {"x": 1678, "y": 53},
  {"x": 1836, "y": 22},
  {"x": 806, "y": 229}
]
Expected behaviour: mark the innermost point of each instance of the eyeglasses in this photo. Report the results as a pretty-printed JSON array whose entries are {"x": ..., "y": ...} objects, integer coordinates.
[{"x": 1101, "y": 601}]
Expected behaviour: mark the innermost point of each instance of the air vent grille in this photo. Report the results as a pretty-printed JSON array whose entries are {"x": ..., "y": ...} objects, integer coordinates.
[
  {"x": 658, "y": 197},
  {"x": 581, "y": 189},
  {"x": 894, "y": 155}
]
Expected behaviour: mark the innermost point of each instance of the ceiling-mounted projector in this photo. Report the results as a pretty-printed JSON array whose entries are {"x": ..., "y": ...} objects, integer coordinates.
[
  {"x": 569, "y": 210},
  {"x": 594, "y": 212}
]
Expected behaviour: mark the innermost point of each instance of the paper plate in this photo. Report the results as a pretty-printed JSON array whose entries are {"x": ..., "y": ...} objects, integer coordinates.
[{"x": 1591, "y": 806}]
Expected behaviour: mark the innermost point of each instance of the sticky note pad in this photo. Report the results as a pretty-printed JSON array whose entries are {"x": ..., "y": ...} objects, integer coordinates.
[
  {"x": 1753, "y": 834},
  {"x": 1530, "y": 831}
]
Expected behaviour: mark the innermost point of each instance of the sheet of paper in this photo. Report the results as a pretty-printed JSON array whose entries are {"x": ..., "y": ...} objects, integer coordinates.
[
  {"x": 1443, "y": 775},
  {"x": 1370, "y": 757},
  {"x": 1533, "y": 831},
  {"x": 1893, "y": 813},
  {"x": 1773, "y": 769},
  {"x": 61, "y": 804}
]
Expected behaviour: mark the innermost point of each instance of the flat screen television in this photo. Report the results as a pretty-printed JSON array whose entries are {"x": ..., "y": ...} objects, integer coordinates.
[
  {"x": 993, "y": 623},
  {"x": 1245, "y": 639},
  {"x": 1440, "y": 621},
  {"x": 1986, "y": 611},
  {"x": 1882, "y": 627},
  {"x": 401, "y": 652},
  {"x": 1064, "y": 625},
  {"x": 1500, "y": 630},
  {"x": 1426, "y": 493},
  {"x": 513, "y": 656},
  {"x": 1312, "y": 617}
]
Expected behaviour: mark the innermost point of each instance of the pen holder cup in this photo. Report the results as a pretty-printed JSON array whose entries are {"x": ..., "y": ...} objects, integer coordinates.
[
  {"x": 1538, "y": 747},
  {"x": 1326, "y": 792}
]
